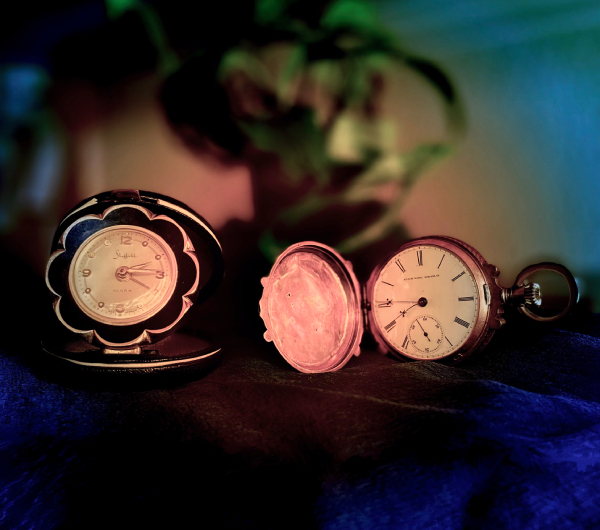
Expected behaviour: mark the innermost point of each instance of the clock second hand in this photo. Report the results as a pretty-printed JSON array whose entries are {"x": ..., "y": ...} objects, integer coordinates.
[{"x": 424, "y": 332}]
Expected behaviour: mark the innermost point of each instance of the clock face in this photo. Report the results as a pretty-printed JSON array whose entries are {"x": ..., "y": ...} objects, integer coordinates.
[
  {"x": 123, "y": 275},
  {"x": 425, "y": 302}
]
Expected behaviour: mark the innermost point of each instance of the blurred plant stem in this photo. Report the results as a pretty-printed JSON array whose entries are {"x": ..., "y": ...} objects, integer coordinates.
[{"x": 304, "y": 81}]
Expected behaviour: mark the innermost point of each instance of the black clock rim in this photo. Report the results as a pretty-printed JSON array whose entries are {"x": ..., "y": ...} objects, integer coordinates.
[
  {"x": 150, "y": 200},
  {"x": 165, "y": 319}
]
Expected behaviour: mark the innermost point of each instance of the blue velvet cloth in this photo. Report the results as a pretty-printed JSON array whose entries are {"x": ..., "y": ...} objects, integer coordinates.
[{"x": 508, "y": 439}]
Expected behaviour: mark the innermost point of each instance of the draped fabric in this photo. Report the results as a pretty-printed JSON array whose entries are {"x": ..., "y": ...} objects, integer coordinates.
[{"x": 508, "y": 439}]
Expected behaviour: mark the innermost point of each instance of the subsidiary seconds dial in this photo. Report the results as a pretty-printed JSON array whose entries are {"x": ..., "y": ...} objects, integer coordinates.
[
  {"x": 123, "y": 275},
  {"x": 425, "y": 302}
]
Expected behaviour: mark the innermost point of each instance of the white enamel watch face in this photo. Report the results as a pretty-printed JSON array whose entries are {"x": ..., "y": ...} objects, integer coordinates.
[
  {"x": 123, "y": 275},
  {"x": 425, "y": 302}
]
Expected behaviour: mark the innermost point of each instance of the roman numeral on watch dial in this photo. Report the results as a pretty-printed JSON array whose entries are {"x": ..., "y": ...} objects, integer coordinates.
[
  {"x": 461, "y": 322},
  {"x": 423, "y": 298}
]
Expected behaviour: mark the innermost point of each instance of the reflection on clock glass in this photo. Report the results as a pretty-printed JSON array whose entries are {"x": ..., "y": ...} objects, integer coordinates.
[
  {"x": 123, "y": 275},
  {"x": 425, "y": 302}
]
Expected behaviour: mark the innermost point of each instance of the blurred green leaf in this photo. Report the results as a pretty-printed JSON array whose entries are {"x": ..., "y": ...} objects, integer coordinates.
[
  {"x": 296, "y": 139},
  {"x": 355, "y": 14},
  {"x": 270, "y": 11},
  {"x": 115, "y": 8},
  {"x": 270, "y": 247}
]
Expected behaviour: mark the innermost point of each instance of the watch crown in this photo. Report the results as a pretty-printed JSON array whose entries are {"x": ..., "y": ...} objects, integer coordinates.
[
  {"x": 532, "y": 294},
  {"x": 524, "y": 295}
]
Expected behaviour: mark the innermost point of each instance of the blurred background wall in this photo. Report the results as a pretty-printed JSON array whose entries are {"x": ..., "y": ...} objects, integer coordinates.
[
  {"x": 521, "y": 186},
  {"x": 525, "y": 185}
]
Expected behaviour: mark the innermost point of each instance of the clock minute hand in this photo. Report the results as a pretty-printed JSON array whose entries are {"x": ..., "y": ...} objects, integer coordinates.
[
  {"x": 403, "y": 313},
  {"x": 138, "y": 266}
]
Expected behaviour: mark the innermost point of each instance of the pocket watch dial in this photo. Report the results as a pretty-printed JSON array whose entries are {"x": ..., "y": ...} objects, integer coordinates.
[
  {"x": 425, "y": 302},
  {"x": 123, "y": 275}
]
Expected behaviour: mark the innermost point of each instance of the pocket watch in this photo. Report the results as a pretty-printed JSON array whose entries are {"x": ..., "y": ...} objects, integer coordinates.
[
  {"x": 434, "y": 299},
  {"x": 125, "y": 267}
]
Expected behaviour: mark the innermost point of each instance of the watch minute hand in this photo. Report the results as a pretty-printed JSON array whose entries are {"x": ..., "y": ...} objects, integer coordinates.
[
  {"x": 138, "y": 266},
  {"x": 403, "y": 313}
]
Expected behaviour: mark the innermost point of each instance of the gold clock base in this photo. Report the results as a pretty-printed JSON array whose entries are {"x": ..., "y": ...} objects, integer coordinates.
[{"x": 179, "y": 352}]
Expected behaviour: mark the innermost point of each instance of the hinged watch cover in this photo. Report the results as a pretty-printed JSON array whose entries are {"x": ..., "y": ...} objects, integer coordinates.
[
  {"x": 311, "y": 306},
  {"x": 195, "y": 266},
  {"x": 315, "y": 311}
]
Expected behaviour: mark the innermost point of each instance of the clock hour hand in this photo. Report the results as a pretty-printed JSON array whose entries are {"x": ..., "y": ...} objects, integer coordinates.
[
  {"x": 144, "y": 271},
  {"x": 388, "y": 303}
]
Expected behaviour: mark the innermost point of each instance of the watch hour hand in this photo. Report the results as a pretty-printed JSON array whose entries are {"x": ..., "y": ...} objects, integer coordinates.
[{"x": 388, "y": 303}]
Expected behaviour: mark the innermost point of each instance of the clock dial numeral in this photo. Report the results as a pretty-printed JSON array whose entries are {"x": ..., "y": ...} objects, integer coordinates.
[
  {"x": 126, "y": 293},
  {"x": 458, "y": 276},
  {"x": 390, "y": 325},
  {"x": 406, "y": 342},
  {"x": 390, "y": 284},
  {"x": 400, "y": 265},
  {"x": 465, "y": 299},
  {"x": 442, "y": 260},
  {"x": 420, "y": 257},
  {"x": 461, "y": 322}
]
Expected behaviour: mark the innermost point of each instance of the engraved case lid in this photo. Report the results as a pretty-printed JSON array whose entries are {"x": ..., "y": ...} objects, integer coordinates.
[{"x": 311, "y": 306}]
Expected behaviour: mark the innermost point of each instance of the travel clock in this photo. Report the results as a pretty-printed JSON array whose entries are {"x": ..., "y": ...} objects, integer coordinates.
[
  {"x": 125, "y": 268},
  {"x": 434, "y": 299}
]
